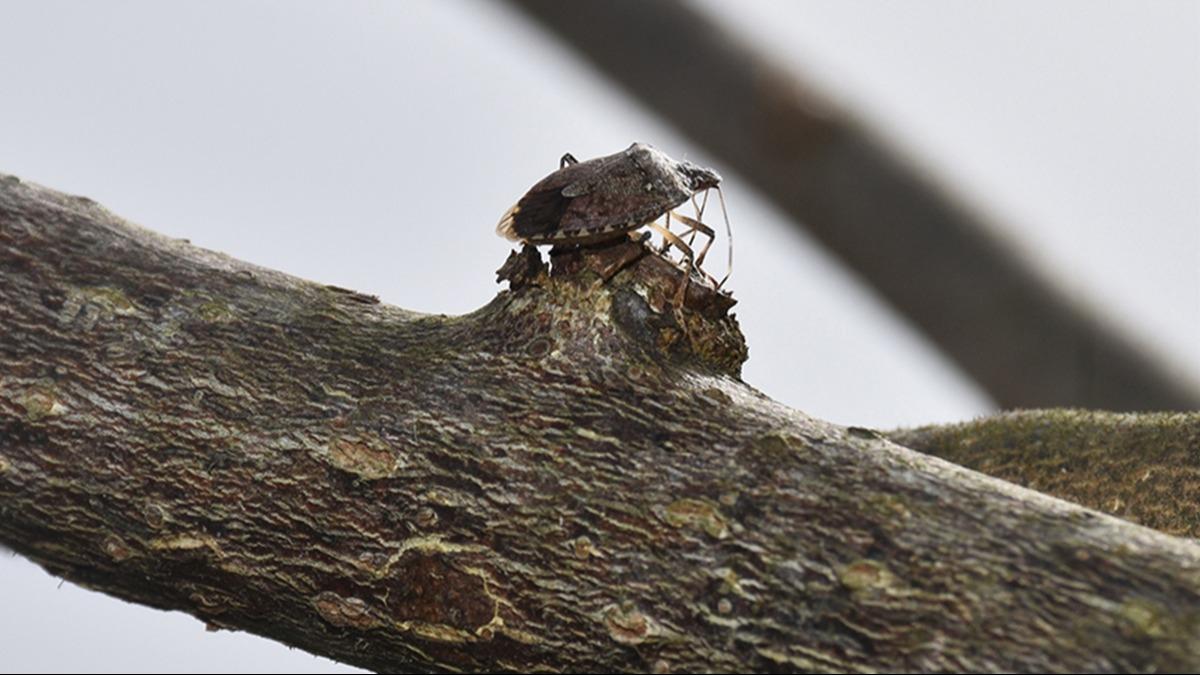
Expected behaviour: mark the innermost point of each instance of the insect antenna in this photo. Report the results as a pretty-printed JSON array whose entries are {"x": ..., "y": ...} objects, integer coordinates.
[
  {"x": 666, "y": 245},
  {"x": 728, "y": 233},
  {"x": 699, "y": 208}
]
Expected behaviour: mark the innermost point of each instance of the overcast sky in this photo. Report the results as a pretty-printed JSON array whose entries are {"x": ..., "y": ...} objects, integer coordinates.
[{"x": 374, "y": 145}]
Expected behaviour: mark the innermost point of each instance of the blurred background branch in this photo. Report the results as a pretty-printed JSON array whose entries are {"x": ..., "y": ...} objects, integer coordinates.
[{"x": 935, "y": 259}]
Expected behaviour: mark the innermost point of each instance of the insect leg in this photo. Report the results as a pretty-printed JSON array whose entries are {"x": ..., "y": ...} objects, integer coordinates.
[
  {"x": 675, "y": 241},
  {"x": 666, "y": 245},
  {"x": 686, "y": 251},
  {"x": 699, "y": 207},
  {"x": 697, "y": 226},
  {"x": 567, "y": 160}
]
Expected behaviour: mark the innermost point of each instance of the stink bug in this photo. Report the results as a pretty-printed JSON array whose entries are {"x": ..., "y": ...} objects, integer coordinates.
[{"x": 609, "y": 198}]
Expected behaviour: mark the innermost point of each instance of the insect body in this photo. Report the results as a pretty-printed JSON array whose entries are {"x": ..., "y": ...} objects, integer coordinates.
[{"x": 608, "y": 198}]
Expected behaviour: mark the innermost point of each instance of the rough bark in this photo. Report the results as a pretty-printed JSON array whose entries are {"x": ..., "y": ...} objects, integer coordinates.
[
  {"x": 571, "y": 478},
  {"x": 1143, "y": 468}
]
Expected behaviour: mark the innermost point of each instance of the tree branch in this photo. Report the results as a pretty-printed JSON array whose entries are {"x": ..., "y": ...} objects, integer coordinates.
[
  {"x": 1143, "y": 468},
  {"x": 570, "y": 478}
]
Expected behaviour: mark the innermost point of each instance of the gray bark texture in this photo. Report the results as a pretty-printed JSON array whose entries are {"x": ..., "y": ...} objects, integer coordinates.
[{"x": 571, "y": 478}]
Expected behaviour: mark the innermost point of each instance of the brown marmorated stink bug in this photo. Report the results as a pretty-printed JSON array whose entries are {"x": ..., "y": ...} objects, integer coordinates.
[{"x": 610, "y": 198}]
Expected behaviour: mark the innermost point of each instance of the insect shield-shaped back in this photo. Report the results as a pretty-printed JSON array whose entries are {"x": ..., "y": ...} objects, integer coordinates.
[{"x": 603, "y": 198}]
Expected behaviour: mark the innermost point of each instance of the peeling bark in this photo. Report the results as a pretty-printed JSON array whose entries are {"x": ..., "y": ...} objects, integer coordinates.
[{"x": 571, "y": 478}]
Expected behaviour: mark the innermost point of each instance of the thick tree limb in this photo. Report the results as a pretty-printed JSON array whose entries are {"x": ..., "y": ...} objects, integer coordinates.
[
  {"x": 940, "y": 263},
  {"x": 565, "y": 479},
  {"x": 1144, "y": 468}
]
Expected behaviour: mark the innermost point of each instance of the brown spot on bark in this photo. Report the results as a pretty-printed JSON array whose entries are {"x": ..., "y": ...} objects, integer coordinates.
[
  {"x": 540, "y": 347},
  {"x": 154, "y": 515},
  {"x": 863, "y": 575},
  {"x": 116, "y": 548},
  {"x": 365, "y": 456},
  {"x": 344, "y": 612},
  {"x": 582, "y": 547},
  {"x": 40, "y": 401},
  {"x": 430, "y": 589},
  {"x": 427, "y": 517},
  {"x": 628, "y": 625},
  {"x": 696, "y": 513}
]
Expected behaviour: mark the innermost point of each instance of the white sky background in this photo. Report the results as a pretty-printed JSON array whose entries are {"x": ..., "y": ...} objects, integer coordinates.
[{"x": 374, "y": 145}]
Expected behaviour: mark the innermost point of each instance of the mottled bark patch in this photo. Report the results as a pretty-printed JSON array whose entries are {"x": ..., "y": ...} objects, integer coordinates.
[
  {"x": 41, "y": 400},
  {"x": 116, "y": 548},
  {"x": 629, "y": 625},
  {"x": 214, "y": 311},
  {"x": 862, "y": 575},
  {"x": 154, "y": 515},
  {"x": 431, "y": 589},
  {"x": 366, "y": 456},
  {"x": 345, "y": 612},
  {"x": 699, "y": 514}
]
